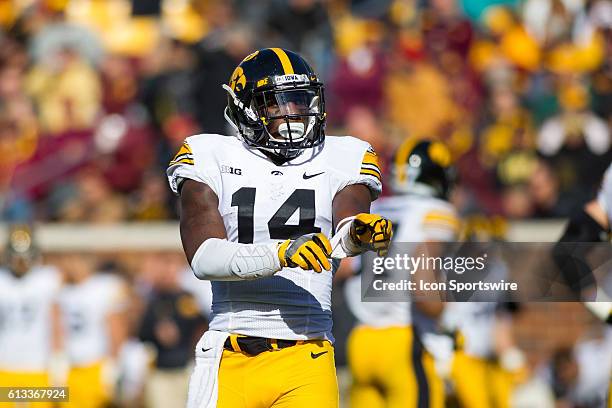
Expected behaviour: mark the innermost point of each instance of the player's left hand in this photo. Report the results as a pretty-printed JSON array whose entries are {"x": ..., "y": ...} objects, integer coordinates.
[
  {"x": 373, "y": 232},
  {"x": 309, "y": 252}
]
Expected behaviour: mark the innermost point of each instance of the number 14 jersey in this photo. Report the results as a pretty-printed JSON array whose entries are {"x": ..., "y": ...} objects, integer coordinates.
[{"x": 261, "y": 202}]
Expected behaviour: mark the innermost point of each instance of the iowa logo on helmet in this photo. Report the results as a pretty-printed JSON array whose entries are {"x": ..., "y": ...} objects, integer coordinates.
[{"x": 238, "y": 80}]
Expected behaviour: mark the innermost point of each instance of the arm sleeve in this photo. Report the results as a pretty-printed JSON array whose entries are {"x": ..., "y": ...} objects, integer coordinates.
[
  {"x": 220, "y": 259},
  {"x": 196, "y": 161}
]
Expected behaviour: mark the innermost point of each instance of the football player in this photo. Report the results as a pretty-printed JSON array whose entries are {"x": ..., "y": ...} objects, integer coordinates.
[
  {"x": 390, "y": 365},
  {"x": 487, "y": 366},
  {"x": 94, "y": 323},
  {"x": 593, "y": 223},
  {"x": 27, "y": 316},
  {"x": 257, "y": 211}
]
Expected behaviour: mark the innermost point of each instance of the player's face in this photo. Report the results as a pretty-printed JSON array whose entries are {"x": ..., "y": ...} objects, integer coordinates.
[
  {"x": 288, "y": 109},
  {"x": 289, "y": 114},
  {"x": 77, "y": 267},
  {"x": 19, "y": 265}
]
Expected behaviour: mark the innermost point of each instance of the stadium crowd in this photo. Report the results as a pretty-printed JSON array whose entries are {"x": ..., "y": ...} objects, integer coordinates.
[{"x": 96, "y": 96}]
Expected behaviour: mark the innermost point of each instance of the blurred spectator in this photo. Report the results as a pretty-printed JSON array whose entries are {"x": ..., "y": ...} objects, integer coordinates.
[
  {"x": 62, "y": 81},
  {"x": 546, "y": 196},
  {"x": 90, "y": 199},
  {"x": 302, "y": 26},
  {"x": 18, "y": 141},
  {"x": 358, "y": 76},
  {"x": 213, "y": 68},
  {"x": 172, "y": 323},
  {"x": 119, "y": 83},
  {"x": 166, "y": 91},
  {"x": 507, "y": 151},
  {"x": 57, "y": 35},
  {"x": 151, "y": 202},
  {"x": 420, "y": 100},
  {"x": 576, "y": 142},
  {"x": 447, "y": 34},
  {"x": 67, "y": 92}
]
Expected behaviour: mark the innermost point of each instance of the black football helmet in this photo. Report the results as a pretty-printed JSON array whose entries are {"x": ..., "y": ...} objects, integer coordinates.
[
  {"x": 20, "y": 252},
  {"x": 423, "y": 167},
  {"x": 276, "y": 103}
]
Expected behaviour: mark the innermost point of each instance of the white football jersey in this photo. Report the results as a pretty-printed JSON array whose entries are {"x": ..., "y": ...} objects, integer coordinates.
[
  {"x": 85, "y": 308},
  {"x": 261, "y": 202},
  {"x": 415, "y": 218},
  {"x": 605, "y": 194},
  {"x": 476, "y": 321},
  {"x": 25, "y": 318}
]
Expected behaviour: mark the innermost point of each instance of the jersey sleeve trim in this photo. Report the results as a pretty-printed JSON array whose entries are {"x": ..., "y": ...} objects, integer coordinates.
[
  {"x": 370, "y": 173},
  {"x": 370, "y": 165},
  {"x": 194, "y": 163},
  {"x": 183, "y": 156}
]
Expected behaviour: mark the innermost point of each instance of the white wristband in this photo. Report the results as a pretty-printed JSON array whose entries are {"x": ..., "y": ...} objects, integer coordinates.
[
  {"x": 342, "y": 243},
  {"x": 219, "y": 259}
]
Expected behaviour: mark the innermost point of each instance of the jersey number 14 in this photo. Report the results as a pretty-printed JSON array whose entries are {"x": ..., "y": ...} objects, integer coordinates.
[{"x": 301, "y": 199}]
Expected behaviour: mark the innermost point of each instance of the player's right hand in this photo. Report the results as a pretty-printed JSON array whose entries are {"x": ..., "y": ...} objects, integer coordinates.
[
  {"x": 309, "y": 252},
  {"x": 373, "y": 232}
]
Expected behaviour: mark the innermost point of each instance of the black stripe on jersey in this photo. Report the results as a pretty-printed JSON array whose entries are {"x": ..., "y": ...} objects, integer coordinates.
[
  {"x": 182, "y": 156},
  {"x": 419, "y": 371},
  {"x": 370, "y": 167},
  {"x": 371, "y": 172}
]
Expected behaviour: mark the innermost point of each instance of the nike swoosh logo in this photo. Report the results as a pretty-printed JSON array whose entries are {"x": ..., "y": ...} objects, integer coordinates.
[
  {"x": 205, "y": 350},
  {"x": 307, "y": 176},
  {"x": 317, "y": 355}
]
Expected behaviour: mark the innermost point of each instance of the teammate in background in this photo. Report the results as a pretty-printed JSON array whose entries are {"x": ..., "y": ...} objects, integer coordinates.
[
  {"x": 488, "y": 365},
  {"x": 257, "y": 211},
  {"x": 593, "y": 223},
  {"x": 93, "y": 310},
  {"x": 389, "y": 363},
  {"x": 27, "y": 317}
]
